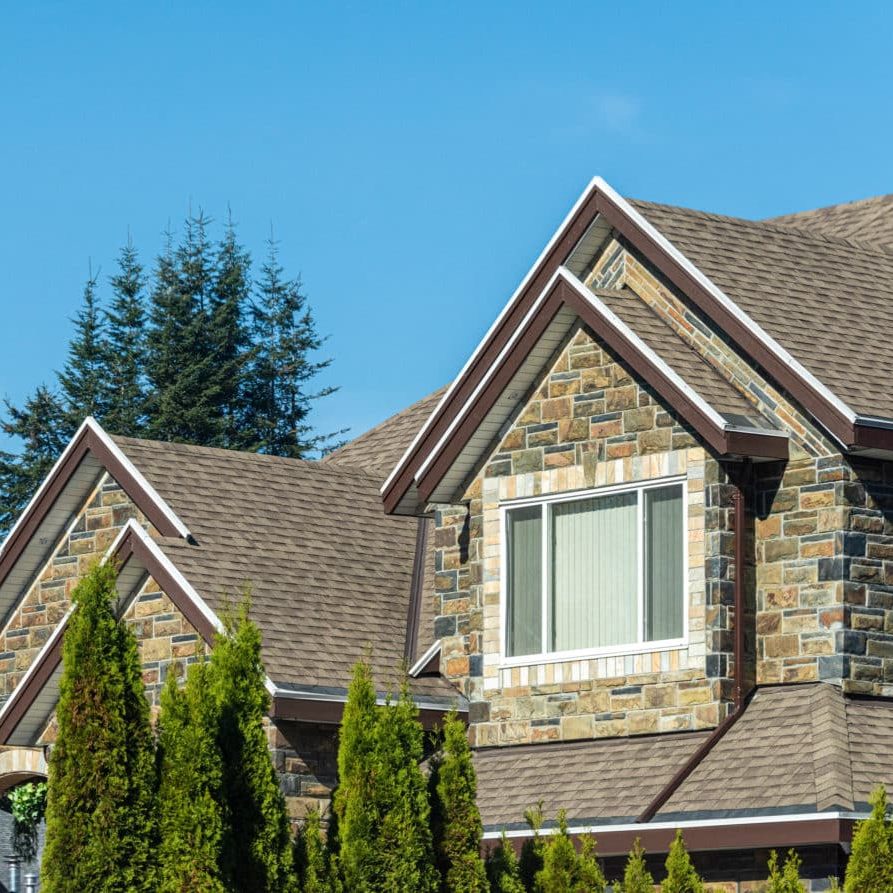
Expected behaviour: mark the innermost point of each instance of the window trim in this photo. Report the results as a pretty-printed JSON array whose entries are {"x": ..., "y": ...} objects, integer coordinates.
[{"x": 629, "y": 649}]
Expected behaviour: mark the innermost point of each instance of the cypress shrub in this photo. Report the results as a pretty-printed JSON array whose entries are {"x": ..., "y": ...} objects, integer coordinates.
[
  {"x": 191, "y": 818},
  {"x": 564, "y": 869},
  {"x": 257, "y": 846},
  {"x": 101, "y": 794},
  {"x": 503, "y": 870},
  {"x": 871, "y": 860},
  {"x": 455, "y": 818},
  {"x": 681, "y": 874},
  {"x": 531, "y": 862},
  {"x": 786, "y": 878},
  {"x": 636, "y": 877}
]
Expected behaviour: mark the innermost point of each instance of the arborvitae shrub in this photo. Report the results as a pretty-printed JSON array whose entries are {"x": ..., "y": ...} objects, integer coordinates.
[
  {"x": 636, "y": 877},
  {"x": 786, "y": 878},
  {"x": 566, "y": 871},
  {"x": 871, "y": 860},
  {"x": 531, "y": 862},
  {"x": 101, "y": 797},
  {"x": 312, "y": 860},
  {"x": 681, "y": 874},
  {"x": 503, "y": 870},
  {"x": 191, "y": 814},
  {"x": 455, "y": 818},
  {"x": 257, "y": 852}
]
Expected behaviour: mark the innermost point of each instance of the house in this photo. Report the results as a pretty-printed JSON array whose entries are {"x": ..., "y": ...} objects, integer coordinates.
[{"x": 644, "y": 541}]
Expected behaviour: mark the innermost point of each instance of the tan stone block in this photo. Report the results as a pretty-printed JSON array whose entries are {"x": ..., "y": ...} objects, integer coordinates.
[
  {"x": 799, "y": 623},
  {"x": 783, "y": 597},
  {"x": 564, "y": 387},
  {"x": 610, "y": 728},
  {"x": 559, "y": 408},
  {"x": 545, "y": 733},
  {"x": 800, "y": 672},
  {"x": 155, "y": 649},
  {"x": 595, "y": 379},
  {"x": 780, "y": 549},
  {"x": 660, "y": 695},
  {"x": 821, "y": 549},
  {"x": 768, "y": 623},
  {"x": 457, "y": 666},
  {"x": 657, "y": 441},
  {"x": 532, "y": 415},
  {"x": 817, "y": 644},
  {"x": 515, "y": 440},
  {"x": 697, "y": 694},
  {"x": 769, "y": 574},
  {"x": 817, "y": 499},
  {"x": 768, "y": 527},
  {"x": 620, "y": 450},
  {"x": 781, "y": 646},
  {"x": 573, "y": 727},
  {"x": 643, "y": 722},
  {"x": 622, "y": 398},
  {"x": 572, "y": 430}
]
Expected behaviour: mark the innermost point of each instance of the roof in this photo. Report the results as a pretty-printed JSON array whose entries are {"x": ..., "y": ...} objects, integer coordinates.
[
  {"x": 796, "y": 749},
  {"x": 826, "y": 300},
  {"x": 867, "y": 220},
  {"x": 381, "y": 447},
  {"x": 329, "y": 572}
]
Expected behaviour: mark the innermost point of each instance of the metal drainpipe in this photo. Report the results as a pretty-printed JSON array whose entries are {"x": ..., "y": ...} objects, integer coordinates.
[{"x": 739, "y": 697}]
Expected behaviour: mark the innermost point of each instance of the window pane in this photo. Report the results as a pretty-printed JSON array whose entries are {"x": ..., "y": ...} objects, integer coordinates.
[
  {"x": 594, "y": 572},
  {"x": 664, "y": 586},
  {"x": 524, "y": 621}
]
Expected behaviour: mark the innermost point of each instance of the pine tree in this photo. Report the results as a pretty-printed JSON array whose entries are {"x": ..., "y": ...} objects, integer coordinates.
[
  {"x": 257, "y": 852},
  {"x": 311, "y": 858},
  {"x": 503, "y": 870},
  {"x": 284, "y": 336},
  {"x": 786, "y": 879},
  {"x": 191, "y": 818},
  {"x": 681, "y": 874},
  {"x": 455, "y": 818},
  {"x": 84, "y": 381},
  {"x": 41, "y": 425},
  {"x": 566, "y": 871},
  {"x": 404, "y": 854},
  {"x": 100, "y": 808},
  {"x": 871, "y": 860},
  {"x": 353, "y": 799},
  {"x": 636, "y": 877},
  {"x": 125, "y": 347}
]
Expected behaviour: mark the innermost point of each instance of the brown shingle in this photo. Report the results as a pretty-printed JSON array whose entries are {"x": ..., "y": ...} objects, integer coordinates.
[
  {"x": 868, "y": 220},
  {"x": 825, "y": 300},
  {"x": 329, "y": 572}
]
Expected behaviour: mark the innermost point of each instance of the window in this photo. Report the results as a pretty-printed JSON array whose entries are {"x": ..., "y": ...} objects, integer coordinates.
[{"x": 598, "y": 572}]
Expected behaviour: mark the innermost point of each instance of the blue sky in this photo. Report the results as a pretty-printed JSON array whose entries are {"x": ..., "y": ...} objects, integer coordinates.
[{"x": 412, "y": 158}]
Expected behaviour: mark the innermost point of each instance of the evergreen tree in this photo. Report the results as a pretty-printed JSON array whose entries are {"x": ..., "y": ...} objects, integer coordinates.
[
  {"x": 285, "y": 336},
  {"x": 100, "y": 807},
  {"x": 871, "y": 860},
  {"x": 84, "y": 381},
  {"x": 681, "y": 874},
  {"x": 257, "y": 852},
  {"x": 353, "y": 799},
  {"x": 125, "y": 347},
  {"x": 455, "y": 818},
  {"x": 230, "y": 299},
  {"x": 786, "y": 879},
  {"x": 312, "y": 861},
  {"x": 636, "y": 877},
  {"x": 191, "y": 819},
  {"x": 404, "y": 854},
  {"x": 531, "y": 862},
  {"x": 503, "y": 870},
  {"x": 40, "y": 424},
  {"x": 566, "y": 871}
]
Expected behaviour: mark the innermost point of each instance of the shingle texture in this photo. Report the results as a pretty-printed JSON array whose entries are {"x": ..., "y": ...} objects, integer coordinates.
[
  {"x": 797, "y": 748},
  {"x": 868, "y": 220},
  {"x": 682, "y": 359},
  {"x": 825, "y": 300},
  {"x": 330, "y": 573}
]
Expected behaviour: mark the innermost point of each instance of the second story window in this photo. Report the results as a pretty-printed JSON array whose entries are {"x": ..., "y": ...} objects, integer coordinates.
[{"x": 592, "y": 574}]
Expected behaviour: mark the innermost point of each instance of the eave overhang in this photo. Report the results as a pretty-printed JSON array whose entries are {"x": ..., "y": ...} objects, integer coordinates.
[{"x": 598, "y": 211}]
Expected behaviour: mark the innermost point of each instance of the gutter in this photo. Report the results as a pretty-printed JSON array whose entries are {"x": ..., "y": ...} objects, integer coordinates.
[{"x": 740, "y": 697}]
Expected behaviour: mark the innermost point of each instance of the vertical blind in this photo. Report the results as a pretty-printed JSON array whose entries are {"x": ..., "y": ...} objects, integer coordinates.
[{"x": 588, "y": 594}]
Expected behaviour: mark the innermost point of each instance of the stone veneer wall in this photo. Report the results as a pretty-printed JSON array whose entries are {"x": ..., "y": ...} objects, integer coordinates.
[
  {"x": 34, "y": 618},
  {"x": 588, "y": 424},
  {"x": 306, "y": 758}
]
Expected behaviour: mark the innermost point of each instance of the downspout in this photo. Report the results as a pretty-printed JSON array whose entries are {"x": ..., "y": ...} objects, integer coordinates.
[{"x": 739, "y": 696}]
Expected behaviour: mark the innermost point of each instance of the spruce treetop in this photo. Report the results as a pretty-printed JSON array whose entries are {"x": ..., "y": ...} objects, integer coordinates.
[{"x": 681, "y": 874}]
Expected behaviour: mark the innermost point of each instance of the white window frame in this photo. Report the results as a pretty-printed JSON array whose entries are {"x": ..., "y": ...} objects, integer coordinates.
[{"x": 632, "y": 648}]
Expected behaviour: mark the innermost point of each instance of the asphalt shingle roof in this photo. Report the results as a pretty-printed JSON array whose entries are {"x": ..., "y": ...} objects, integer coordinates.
[{"x": 867, "y": 220}]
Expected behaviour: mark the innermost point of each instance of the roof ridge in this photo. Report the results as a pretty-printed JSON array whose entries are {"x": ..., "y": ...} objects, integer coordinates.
[
  {"x": 772, "y": 225},
  {"x": 832, "y": 765},
  {"x": 888, "y": 196}
]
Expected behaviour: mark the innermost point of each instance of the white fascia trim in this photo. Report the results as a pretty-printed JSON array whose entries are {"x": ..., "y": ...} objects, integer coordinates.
[
  {"x": 584, "y": 197},
  {"x": 775, "y": 819},
  {"x": 751, "y": 325},
  {"x": 423, "y": 661},
  {"x": 153, "y": 494},
  {"x": 534, "y": 309},
  {"x": 292, "y": 694},
  {"x": 94, "y": 426},
  {"x": 871, "y": 421}
]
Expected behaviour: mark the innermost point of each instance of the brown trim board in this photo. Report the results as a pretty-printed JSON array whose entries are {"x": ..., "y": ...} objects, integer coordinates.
[
  {"x": 329, "y": 712},
  {"x": 723, "y": 441},
  {"x": 87, "y": 442}
]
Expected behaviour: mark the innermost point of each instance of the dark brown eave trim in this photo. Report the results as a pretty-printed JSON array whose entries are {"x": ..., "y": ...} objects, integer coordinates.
[
  {"x": 130, "y": 547},
  {"x": 725, "y": 441},
  {"x": 329, "y": 712},
  {"x": 708, "y": 837},
  {"x": 415, "y": 591},
  {"x": 87, "y": 441}
]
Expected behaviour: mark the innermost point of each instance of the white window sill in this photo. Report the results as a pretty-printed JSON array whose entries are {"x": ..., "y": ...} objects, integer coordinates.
[{"x": 557, "y": 657}]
